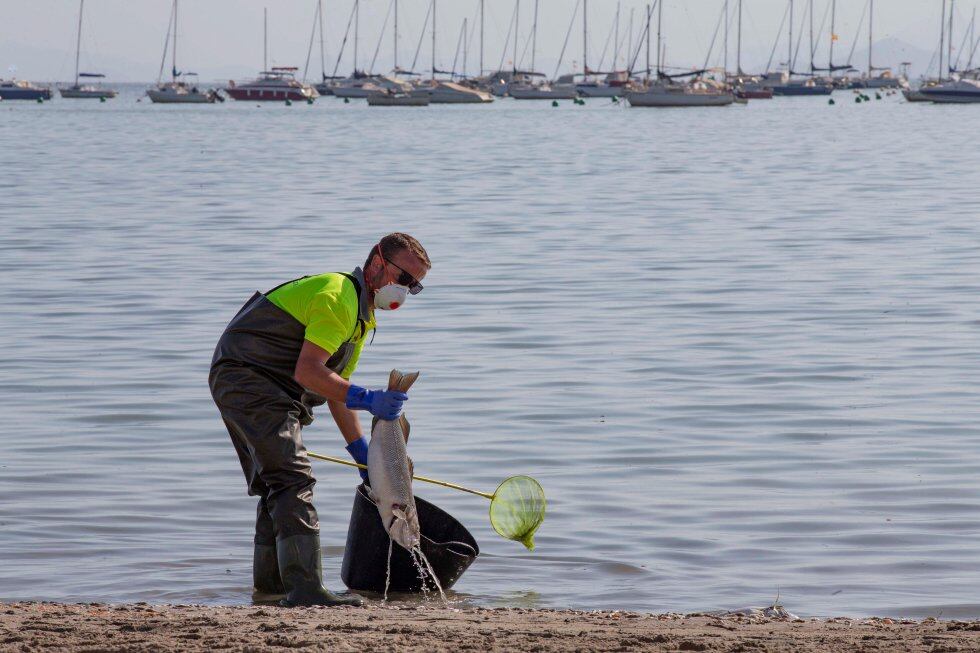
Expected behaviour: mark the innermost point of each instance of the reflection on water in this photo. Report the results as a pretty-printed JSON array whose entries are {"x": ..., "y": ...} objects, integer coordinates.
[{"x": 738, "y": 347}]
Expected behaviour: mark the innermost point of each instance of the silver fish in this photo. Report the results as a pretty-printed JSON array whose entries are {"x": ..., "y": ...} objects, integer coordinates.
[{"x": 390, "y": 471}]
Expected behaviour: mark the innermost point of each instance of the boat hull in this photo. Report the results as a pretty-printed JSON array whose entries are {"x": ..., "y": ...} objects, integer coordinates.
[
  {"x": 793, "y": 90},
  {"x": 950, "y": 97},
  {"x": 641, "y": 99},
  {"x": 158, "y": 96},
  {"x": 87, "y": 93},
  {"x": 754, "y": 94},
  {"x": 876, "y": 83},
  {"x": 353, "y": 92},
  {"x": 541, "y": 94},
  {"x": 915, "y": 96},
  {"x": 268, "y": 95},
  {"x": 25, "y": 93},
  {"x": 599, "y": 90},
  {"x": 387, "y": 100}
]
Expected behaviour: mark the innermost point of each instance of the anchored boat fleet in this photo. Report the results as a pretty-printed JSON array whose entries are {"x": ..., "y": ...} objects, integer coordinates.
[{"x": 637, "y": 72}]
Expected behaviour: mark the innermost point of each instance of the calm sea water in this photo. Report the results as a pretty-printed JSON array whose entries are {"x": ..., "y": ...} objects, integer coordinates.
[{"x": 738, "y": 347}]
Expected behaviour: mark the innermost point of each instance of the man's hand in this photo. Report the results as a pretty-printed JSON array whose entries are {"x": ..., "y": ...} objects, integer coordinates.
[
  {"x": 358, "y": 450},
  {"x": 383, "y": 404}
]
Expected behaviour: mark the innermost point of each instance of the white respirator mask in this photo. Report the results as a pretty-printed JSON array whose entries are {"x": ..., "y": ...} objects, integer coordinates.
[{"x": 390, "y": 297}]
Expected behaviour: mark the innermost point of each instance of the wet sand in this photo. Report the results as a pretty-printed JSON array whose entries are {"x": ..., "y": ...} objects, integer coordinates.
[{"x": 143, "y": 627}]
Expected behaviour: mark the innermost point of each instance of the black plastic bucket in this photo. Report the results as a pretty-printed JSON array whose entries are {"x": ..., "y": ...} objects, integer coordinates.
[{"x": 446, "y": 543}]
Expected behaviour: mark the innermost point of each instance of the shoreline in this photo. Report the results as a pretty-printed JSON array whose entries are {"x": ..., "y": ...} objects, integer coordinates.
[{"x": 29, "y": 626}]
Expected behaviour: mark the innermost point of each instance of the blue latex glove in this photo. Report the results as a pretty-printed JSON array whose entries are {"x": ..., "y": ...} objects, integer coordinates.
[
  {"x": 358, "y": 450},
  {"x": 383, "y": 404}
]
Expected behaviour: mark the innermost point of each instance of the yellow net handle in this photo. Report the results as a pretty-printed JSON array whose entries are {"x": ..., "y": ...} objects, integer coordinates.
[{"x": 424, "y": 479}]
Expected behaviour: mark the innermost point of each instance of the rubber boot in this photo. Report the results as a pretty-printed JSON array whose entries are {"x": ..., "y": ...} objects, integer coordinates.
[
  {"x": 266, "y": 583},
  {"x": 302, "y": 573}
]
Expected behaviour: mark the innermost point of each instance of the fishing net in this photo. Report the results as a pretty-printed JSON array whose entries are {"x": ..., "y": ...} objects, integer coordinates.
[{"x": 517, "y": 509}]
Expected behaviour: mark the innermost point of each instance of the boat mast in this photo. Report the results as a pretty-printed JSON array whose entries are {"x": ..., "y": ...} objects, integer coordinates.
[
  {"x": 789, "y": 56},
  {"x": 660, "y": 16},
  {"x": 357, "y": 29},
  {"x": 481, "y": 37},
  {"x": 649, "y": 13},
  {"x": 724, "y": 63},
  {"x": 173, "y": 60},
  {"x": 265, "y": 36},
  {"x": 78, "y": 40},
  {"x": 517, "y": 31},
  {"x": 942, "y": 36},
  {"x": 738, "y": 51},
  {"x": 396, "y": 36},
  {"x": 833, "y": 35},
  {"x": 433, "y": 40},
  {"x": 323, "y": 64},
  {"x": 534, "y": 35},
  {"x": 615, "y": 40},
  {"x": 812, "y": 49},
  {"x": 585, "y": 38},
  {"x": 629, "y": 41},
  {"x": 465, "y": 47},
  {"x": 871, "y": 18},
  {"x": 949, "y": 54}
]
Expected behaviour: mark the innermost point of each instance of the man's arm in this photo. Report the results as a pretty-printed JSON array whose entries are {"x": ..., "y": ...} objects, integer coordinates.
[
  {"x": 347, "y": 421},
  {"x": 312, "y": 373}
]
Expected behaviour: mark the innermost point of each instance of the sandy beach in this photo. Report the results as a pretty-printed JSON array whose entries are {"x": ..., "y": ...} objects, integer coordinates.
[{"x": 99, "y": 627}]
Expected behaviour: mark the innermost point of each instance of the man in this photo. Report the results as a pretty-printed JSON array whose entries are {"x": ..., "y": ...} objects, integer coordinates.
[{"x": 286, "y": 351}]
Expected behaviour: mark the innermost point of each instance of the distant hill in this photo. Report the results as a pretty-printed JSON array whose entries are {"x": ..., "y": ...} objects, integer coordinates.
[{"x": 891, "y": 52}]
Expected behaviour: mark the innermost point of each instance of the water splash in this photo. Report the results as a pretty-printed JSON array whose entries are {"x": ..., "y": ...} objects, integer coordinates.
[
  {"x": 388, "y": 576},
  {"x": 416, "y": 553}
]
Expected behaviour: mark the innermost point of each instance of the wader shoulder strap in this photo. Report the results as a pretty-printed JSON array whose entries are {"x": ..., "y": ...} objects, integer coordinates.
[
  {"x": 357, "y": 291},
  {"x": 285, "y": 284}
]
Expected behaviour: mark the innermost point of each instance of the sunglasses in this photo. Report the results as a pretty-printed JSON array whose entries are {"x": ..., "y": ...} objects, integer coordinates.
[{"x": 404, "y": 279}]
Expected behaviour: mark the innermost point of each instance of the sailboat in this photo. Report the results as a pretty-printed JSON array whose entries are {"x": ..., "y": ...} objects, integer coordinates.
[
  {"x": 445, "y": 92},
  {"x": 885, "y": 78},
  {"x": 959, "y": 87},
  {"x": 89, "y": 91},
  {"x": 278, "y": 83},
  {"x": 746, "y": 87},
  {"x": 666, "y": 92},
  {"x": 531, "y": 85},
  {"x": 178, "y": 90},
  {"x": 597, "y": 83},
  {"x": 783, "y": 83}
]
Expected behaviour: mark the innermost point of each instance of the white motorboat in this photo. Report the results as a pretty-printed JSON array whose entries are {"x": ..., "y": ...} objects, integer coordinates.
[
  {"x": 953, "y": 91},
  {"x": 390, "y": 98},
  {"x": 695, "y": 94},
  {"x": 441, "y": 92},
  {"x": 359, "y": 86}
]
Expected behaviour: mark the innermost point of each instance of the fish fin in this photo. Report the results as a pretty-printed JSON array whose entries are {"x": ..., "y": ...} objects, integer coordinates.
[
  {"x": 411, "y": 467},
  {"x": 394, "y": 379},
  {"x": 405, "y": 381},
  {"x": 374, "y": 421},
  {"x": 371, "y": 494},
  {"x": 406, "y": 427}
]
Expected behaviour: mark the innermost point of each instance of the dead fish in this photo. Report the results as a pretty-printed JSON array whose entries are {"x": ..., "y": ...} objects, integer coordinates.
[
  {"x": 390, "y": 471},
  {"x": 769, "y": 612}
]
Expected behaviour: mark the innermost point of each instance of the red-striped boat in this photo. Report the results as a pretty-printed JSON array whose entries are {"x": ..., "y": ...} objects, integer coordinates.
[{"x": 275, "y": 85}]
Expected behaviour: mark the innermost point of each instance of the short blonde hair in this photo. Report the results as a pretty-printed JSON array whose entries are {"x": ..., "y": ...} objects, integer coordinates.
[{"x": 396, "y": 242}]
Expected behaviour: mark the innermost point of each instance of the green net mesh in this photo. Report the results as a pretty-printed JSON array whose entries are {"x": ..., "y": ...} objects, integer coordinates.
[{"x": 517, "y": 509}]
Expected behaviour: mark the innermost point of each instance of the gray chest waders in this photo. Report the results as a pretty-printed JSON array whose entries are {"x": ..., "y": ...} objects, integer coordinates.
[{"x": 264, "y": 410}]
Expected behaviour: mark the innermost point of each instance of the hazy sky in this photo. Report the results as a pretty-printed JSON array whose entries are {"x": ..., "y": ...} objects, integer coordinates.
[{"x": 223, "y": 38}]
